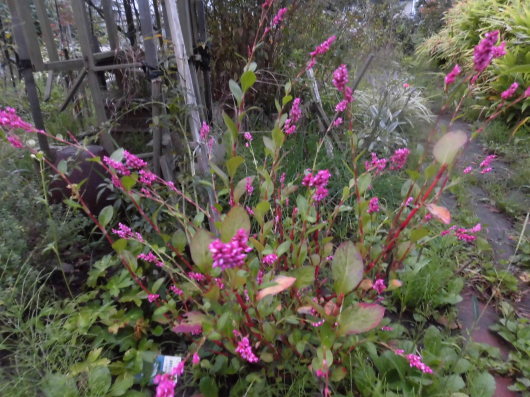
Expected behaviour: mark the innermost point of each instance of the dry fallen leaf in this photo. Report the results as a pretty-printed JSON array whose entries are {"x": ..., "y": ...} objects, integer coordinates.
[
  {"x": 282, "y": 283},
  {"x": 439, "y": 212}
]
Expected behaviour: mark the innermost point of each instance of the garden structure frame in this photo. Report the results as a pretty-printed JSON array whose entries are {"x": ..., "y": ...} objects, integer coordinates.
[{"x": 168, "y": 28}]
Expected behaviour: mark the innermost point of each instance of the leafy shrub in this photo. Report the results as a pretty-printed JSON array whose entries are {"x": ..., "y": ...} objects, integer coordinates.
[{"x": 466, "y": 24}]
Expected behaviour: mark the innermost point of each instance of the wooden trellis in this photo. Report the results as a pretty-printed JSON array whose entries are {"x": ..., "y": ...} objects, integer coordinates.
[{"x": 180, "y": 22}]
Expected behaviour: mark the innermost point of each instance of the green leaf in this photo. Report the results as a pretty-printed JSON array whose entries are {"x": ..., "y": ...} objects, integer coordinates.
[
  {"x": 62, "y": 166},
  {"x": 128, "y": 181},
  {"x": 418, "y": 234},
  {"x": 359, "y": 318},
  {"x": 208, "y": 387},
  {"x": 346, "y": 268},
  {"x": 99, "y": 381},
  {"x": 260, "y": 210},
  {"x": 364, "y": 182},
  {"x": 235, "y": 89},
  {"x": 122, "y": 384},
  {"x": 278, "y": 137},
  {"x": 59, "y": 385},
  {"x": 448, "y": 146},
  {"x": 269, "y": 145},
  {"x": 199, "y": 250},
  {"x": 231, "y": 126},
  {"x": 481, "y": 385},
  {"x": 119, "y": 245},
  {"x": 286, "y": 99},
  {"x": 305, "y": 276},
  {"x": 105, "y": 215},
  {"x": 237, "y": 218},
  {"x": 233, "y": 164},
  {"x": 241, "y": 188},
  {"x": 219, "y": 172},
  {"x": 247, "y": 80}
]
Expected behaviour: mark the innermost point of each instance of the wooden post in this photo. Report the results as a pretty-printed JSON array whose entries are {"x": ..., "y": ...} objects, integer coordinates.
[
  {"x": 153, "y": 74},
  {"x": 27, "y": 74},
  {"x": 32, "y": 42},
  {"x": 190, "y": 96},
  {"x": 47, "y": 34},
  {"x": 110, "y": 23},
  {"x": 85, "y": 43}
]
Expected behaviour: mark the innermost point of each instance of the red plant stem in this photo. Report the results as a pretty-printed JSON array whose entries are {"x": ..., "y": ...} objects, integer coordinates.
[
  {"x": 392, "y": 241},
  {"x": 245, "y": 309}
]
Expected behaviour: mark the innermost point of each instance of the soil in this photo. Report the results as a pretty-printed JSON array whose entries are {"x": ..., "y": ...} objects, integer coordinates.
[{"x": 499, "y": 231}]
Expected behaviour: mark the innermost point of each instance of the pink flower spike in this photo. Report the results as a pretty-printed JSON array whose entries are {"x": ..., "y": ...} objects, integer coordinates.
[
  {"x": 340, "y": 77},
  {"x": 507, "y": 94},
  {"x": 379, "y": 285},
  {"x": 486, "y": 170},
  {"x": 133, "y": 161},
  {"x": 373, "y": 205},
  {"x": 232, "y": 254},
  {"x": 324, "y": 47},
  {"x": 399, "y": 159},
  {"x": 451, "y": 76},
  {"x": 179, "y": 369},
  {"x": 204, "y": 132},
  {"x": 527, "y": 92},
  {"x": 278, "y": 18},
  {"x": 296, "y": 112},
  {"x": 15, "y": 142},
  {"x": 399, "y": 352},
  {"x": 177, "y": 291},
  {"x": 248, "y": 187},
  {"x": 165, "y": 385},
  {"x": 269, "y": 259},
  {"x": 152, "y": 297},
  {"x": 386, "y": 328},
  {"x": 467, "y": 170},
  {"x": 406, "y": 85},
  {"x": 245, "y": 350},
  {"x": 415, "y": 362},
  {"x": 338, "y": 121},
  {"x": 196, "y": 359}
]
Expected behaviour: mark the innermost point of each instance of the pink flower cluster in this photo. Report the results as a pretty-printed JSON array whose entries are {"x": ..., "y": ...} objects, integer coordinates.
[
  {"x": 399, "y": 159},
  {"x": 126, "y": 233},
  {"x": 373, "y": 205},
  {"x": 132, "y": 161},
  {"x": 451, "y": 76},
  {"x": 15, "y": 142},
  {"x": 232, "y": 254},
  {"x": 248, "y": 137},
  {"x": 197, "y": 276},
  {"x": 486, "y": 51},
  {"x": 294, "y": 116},
  {"x": 269, "y": 259},
  {"x": 321, "y": 49},
  {"x": 507, "y": 94},
  {"x": 414, "y": 361},
  {"x": 10, "y": 120},
  {"x": 151, "y": 258},
  {"x": 177, "y": 291},
  {"x": 244, "y": 349},
  {"x": 166, "y": 382},
  {"x": 119, "y": 167},
  {"x": 340, "y": 79},
  {"x": 147, "y": 177},
  {"x": 379, "y": 285},
  {"x": 204, "y": 131},
  {"x": 485, "y": 165},
  {"x": 463, "y": 234},
  {"x": 318, "y": 181},
  {"x": 376, "y": 164},
  {"x": 248, "y": 186},
  {"x": 152, "y": 297},
  {"x": 278, "y": 18}
]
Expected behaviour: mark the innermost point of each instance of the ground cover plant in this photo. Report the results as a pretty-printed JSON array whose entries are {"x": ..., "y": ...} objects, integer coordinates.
[{"x": 257, "y": 291}]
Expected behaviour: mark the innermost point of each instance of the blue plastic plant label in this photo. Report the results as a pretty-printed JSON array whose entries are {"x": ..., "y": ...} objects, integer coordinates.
[{"x": 164, "y": 365}]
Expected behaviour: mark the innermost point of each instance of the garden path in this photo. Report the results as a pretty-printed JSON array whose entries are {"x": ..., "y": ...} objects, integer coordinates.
[{"x": 499, "y": 230}]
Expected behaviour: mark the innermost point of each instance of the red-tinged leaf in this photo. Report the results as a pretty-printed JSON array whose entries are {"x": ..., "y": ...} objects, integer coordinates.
[
  {"x": 282, "y": 283},
  {"x": 448, "y": 146},
  {"x": 440, "y": 213},
  {"x": 360, "y": 318},
  {"x": 190, "y": 324}
]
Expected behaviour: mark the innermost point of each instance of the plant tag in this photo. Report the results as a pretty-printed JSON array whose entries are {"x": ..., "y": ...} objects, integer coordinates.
[{"x": 164, "y": 365}]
